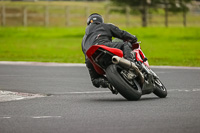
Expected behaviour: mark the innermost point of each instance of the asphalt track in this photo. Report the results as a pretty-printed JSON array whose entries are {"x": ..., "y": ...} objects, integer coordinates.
[{"x": 70, "y": 104}]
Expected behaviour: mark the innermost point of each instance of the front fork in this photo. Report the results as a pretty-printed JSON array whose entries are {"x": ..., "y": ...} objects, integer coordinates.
[{"x": 149, "y": 76}]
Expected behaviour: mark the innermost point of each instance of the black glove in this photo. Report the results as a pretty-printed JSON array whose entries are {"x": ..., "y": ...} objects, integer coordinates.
[{"x": 134, "y": 40}]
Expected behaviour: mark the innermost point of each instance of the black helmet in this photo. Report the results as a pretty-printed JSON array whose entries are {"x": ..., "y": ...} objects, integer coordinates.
[{"x": 95, "y": 17}]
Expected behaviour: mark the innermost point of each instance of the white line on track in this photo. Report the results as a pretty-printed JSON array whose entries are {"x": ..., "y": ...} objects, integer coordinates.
[
  {"x": 185, "y": 90},
  {"x": 99, "y": 92},
  {"x": 93, "y": 92},
  {"x": 33, "y": 117},
  {"x": 44, "y": 117},
  {"x": 5, "y": 117},
  {"x": 42, "y": 63},
  {"x": 79, "y": 65},
  {"x": 85, "y": 92},
  {"x": 14, "y": 96},
  {"x": 175, "y": 67}
]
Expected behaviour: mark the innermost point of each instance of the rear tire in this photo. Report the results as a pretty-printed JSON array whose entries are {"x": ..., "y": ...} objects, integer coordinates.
[
  {"x": 160, "y": 89},
  {"x": 131, "y": 93}
]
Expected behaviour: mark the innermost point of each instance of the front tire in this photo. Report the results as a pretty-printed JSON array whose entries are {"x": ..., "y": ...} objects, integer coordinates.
[
  {"x": 128, "y": 91},
  {"x": 160, "y": 89}
]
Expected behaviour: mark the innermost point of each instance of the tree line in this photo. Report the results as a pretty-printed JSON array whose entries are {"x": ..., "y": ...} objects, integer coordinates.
[{"x": 143, "y": 5}]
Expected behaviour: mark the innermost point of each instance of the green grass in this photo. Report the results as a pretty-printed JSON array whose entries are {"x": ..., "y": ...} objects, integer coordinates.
[{"x": 162, "y": 46}]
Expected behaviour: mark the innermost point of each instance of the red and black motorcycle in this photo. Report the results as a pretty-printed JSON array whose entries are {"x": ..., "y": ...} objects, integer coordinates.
[{"x": 130, "y": 79}]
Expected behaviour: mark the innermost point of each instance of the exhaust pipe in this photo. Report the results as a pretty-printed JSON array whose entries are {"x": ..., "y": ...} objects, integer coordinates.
[{"x": 128, "y": 65}]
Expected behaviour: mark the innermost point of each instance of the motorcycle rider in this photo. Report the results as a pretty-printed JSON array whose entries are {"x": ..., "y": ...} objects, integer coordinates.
[{"x": 99, "y": 33}]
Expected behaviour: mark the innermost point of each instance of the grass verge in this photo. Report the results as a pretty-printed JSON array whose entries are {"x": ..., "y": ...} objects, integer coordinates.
[{"x": 162, "y": 46}]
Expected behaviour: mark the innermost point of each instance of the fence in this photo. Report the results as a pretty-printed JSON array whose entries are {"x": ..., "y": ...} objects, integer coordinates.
[
  {"x": 50, "y": 15},
  {"x": 26, "y": 16}
]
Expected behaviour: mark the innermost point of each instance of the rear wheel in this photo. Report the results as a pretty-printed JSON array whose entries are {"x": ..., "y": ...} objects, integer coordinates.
[
  {"x": 129, "y": 89},
  {"x": 160, "y": 89}
]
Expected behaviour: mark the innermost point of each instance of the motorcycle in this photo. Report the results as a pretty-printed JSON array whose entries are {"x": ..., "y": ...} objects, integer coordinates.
[{"x": 130, "y": 79}]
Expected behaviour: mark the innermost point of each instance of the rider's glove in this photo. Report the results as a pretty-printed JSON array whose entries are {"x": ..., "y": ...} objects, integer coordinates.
[{"x": 134, "y": 40}]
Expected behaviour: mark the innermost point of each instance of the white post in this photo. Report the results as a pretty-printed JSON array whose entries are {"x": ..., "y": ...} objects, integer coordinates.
[
  {"x": 24, "y": 16},
  {"x": 3, "y": 15}
]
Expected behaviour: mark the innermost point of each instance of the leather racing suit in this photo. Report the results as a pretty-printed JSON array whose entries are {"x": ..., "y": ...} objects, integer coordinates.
[{"x": 101, "y": 34}]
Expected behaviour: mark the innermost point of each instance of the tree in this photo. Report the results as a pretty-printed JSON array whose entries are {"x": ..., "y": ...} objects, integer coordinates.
[{"x": 143, "y": 5}]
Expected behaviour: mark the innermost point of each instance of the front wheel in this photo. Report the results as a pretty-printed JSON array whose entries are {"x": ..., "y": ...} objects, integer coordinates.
[
  {"x": 129, "y": 90},
  {"x": 160, "y": 89}
]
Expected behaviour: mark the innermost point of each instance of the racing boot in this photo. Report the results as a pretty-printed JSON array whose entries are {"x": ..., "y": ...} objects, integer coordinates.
[
  {"x": 104, "y": 83},
  {"x": 100, "y": 82},
  {"x": 113, "y": 90}
]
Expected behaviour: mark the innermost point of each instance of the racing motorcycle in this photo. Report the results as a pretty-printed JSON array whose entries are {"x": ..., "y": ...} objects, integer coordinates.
[{"x": 130, "y": 79}]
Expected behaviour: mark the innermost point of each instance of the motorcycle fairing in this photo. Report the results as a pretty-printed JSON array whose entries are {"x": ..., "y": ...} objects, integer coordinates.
[
  {"x": 139, "y": 54},
  {"x": 94, "y": 48}
]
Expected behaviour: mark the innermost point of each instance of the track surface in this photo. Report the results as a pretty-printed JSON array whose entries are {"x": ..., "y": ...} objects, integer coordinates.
[{"x": 73, "y": 105}]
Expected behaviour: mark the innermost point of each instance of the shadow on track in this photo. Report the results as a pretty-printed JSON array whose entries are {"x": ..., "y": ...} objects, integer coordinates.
[{"x": 124, "y": 100}]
